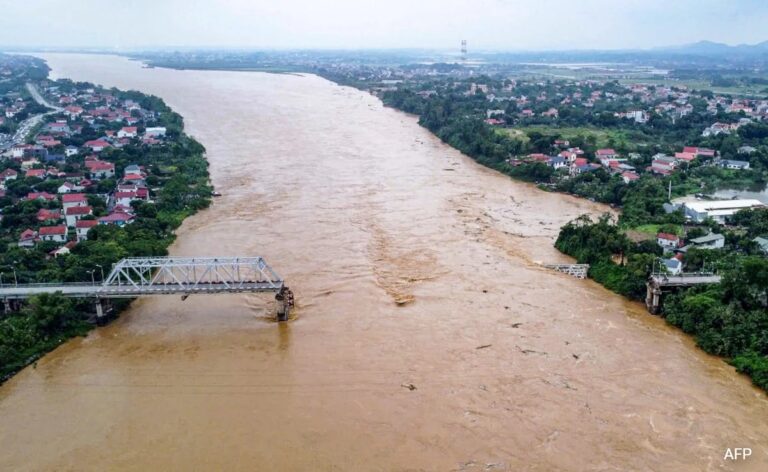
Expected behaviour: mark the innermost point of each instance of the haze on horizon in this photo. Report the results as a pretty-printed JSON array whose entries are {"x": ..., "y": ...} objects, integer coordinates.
[{"x": 360, "y": 24}]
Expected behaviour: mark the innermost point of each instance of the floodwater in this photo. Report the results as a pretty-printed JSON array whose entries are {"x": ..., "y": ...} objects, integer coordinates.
[{"x": 412, "y": 266}]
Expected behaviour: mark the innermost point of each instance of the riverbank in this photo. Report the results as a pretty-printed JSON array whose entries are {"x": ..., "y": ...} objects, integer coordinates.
[{"x": 123, "y": 216}]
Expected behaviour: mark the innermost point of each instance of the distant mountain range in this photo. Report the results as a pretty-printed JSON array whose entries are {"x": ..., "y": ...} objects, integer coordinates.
[{"x": 711, "y": 48}]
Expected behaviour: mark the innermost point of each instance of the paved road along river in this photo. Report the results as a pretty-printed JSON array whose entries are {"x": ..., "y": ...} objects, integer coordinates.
[{"x": 406, "y": 257}]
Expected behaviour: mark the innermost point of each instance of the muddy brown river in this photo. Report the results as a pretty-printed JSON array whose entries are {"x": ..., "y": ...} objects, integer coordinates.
[{"x": 411, "y": 264}]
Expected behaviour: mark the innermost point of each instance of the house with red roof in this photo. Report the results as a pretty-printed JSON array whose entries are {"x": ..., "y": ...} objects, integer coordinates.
[
  {"x": 136, "y": 179},
  {"x": 117, "y": 218},
  {"x": 82, "y": 227},
  {"x": 97, "y": 145},
  {"x": 69, "y": 200},
  {"x": 53, "y": 233},
  {"x": 8, "y": 174},
  {"x": 128, "y": 132},
  {"x": 629, "y": 176},
  {"x": 100, "y": 169},
  {"x": 27, "y": 238},
  {"x": 685, "y": 156},
  {"x": 63, "y": 250},
  {"x": 66, "y": 187},
  {"x": 39, "y": 173},
  {"x": 45, "y": 214},
  {"x": 48, "y": 197},
  {"x": 668, "y": 241},
  {"x": 606, "y": 153},
  {"x": 76, "y": 213}
]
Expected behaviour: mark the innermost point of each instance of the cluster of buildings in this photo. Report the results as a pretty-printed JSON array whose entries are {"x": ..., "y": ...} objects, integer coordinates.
[{"x": 80, "y": 171}]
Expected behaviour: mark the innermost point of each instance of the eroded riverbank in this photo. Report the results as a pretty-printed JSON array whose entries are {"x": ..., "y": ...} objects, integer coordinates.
[{"x": 360, "y": 208}]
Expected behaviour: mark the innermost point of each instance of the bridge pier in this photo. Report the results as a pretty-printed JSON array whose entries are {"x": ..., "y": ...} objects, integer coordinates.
[
  {"x": 284, "y": 303},
  {"x": 653, "y": 299}
]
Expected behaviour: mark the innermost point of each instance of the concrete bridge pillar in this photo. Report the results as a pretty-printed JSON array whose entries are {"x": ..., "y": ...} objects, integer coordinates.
[
  {"x": 284, "y": 303},
  {"x": 653, "y": 298}
]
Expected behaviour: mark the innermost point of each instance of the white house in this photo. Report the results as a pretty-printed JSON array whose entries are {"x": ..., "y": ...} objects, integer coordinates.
[
  {"x": 731, "y": 164},
  {"x": 69, "y": 200},
  {"x": 70, "y": 151},
  {"x": 82, "y": 227},
  {"x": 76, "y": 213},
  {"x": 128, "y": 132},
  {"x": 667, "y": 241},
  {"x": 155, "y": 132},
  {"x": 53, "y": 233},
  {"x": 674, "y": 266},
  {"x": 710, "y": 241}
]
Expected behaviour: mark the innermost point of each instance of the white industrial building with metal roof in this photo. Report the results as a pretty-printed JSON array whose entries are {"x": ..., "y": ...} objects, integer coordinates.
[{"x": 718, "y": 210}]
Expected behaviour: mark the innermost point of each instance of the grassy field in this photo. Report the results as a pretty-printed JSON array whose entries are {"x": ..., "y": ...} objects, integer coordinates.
[
  {"x": 602, "y": 136},
  {"x": 633, "y": 75},
  {"x": 742, "y": 90},
  {"x": 654, "y": 229}
]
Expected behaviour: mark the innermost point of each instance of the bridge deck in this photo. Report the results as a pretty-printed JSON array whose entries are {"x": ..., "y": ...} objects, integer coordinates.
[
  {"x": 684, "y": 280},
  {"x": 127, "y": 291},
  {"x": 133, "y": 277}
]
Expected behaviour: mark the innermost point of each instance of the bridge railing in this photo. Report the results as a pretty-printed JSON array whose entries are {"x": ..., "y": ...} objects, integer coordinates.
[{"x": 50, "y": 284}]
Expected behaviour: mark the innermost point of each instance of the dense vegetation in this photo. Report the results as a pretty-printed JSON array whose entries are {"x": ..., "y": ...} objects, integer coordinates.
[{"x": 729, "y": 319}]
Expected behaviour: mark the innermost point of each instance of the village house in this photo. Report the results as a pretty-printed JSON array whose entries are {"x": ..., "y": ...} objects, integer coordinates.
[
  {"x": 63, "y": 250},
  {"x": 8, "y": 174},
  {"x": 45, "y": 196},
  {"x": 135, "y": 179},
  {"x": 629, "y": 176},
  {"x": 97, "y": 145},
  {"x": 39, "y": 173},
  {"x": 606, "y": 154},
  {"x": 155, "y": 132},
  {"x": 45, "y": 215},
  {"x": 762, "y": 243},
  {"x": 27, "y": 238},
  {"x": 53, "y": 233},
  {"x": 70, "y": 200},
  {"x": 709, "y": 241},
  {"x": 100, "y": 169},
  {"x": 67, "y": 187},
  {"x": 667, "y": 241},
  {"x": 557, "y": 162},
  {"x": 735, "y": 165},
  {"x": 82, "y": 227},
  {"x": 128, "y": 132},
  {"x": 116, "y": 218},
  {"x": 76, "y": 213},
  {"x": 674, "y": 266}
]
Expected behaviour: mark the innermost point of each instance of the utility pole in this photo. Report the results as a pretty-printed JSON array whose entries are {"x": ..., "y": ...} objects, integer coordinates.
[
  {"x": 669, "y": 192},
  {"x": 464, "y": 50}
]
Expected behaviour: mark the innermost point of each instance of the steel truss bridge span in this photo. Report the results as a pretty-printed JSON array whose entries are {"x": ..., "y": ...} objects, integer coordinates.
[{"x": 136, "y": 276}]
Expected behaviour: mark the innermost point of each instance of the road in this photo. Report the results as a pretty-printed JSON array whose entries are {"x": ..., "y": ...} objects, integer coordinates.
[{"x": 30, "y": 123}]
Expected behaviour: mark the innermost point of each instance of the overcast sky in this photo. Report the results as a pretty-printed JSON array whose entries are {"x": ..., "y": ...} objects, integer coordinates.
[{"x": 485, "y": 24}]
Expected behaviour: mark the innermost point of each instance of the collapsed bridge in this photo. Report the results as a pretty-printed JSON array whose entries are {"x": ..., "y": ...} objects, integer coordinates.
[{"x": 137, "y": 276}]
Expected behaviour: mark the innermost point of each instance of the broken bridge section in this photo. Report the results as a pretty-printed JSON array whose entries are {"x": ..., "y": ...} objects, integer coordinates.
[
  {"x": 576, "y": 270},
  {"x": 658, "y": 284},
  {"x": 136, "y": 276}
]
